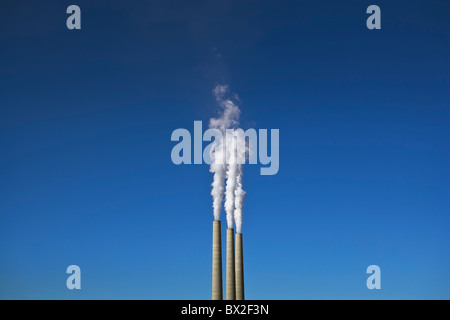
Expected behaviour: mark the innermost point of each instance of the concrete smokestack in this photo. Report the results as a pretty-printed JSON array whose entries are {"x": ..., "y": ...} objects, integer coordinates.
[
  {"x": 239, "y": 268},
  {"x": 231, "y": 283},
  {"x": 217, "y": 292}
]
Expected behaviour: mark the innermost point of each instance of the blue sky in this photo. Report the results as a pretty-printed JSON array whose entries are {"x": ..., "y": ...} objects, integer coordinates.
[{"x": 86, "y": 176}]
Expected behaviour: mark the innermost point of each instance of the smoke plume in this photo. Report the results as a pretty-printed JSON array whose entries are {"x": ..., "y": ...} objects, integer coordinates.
[
  {"x": 239, "y": 195},
  {"x": 225, "y": 164},
  {"x": 231, "y": 179}
]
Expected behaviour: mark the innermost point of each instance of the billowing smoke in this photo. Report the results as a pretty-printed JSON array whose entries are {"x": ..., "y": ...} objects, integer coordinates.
[
  {"x": 231, "y": 178},
  {"x": 229, "y": 116},
  {"x": 225, "y": 163},
  {"x": 217, "y": 186},
  {"x": 239, "y": 195}
]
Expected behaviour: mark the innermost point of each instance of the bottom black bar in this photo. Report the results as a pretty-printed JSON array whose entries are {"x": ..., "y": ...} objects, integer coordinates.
[{"x": 207, "y": 309}]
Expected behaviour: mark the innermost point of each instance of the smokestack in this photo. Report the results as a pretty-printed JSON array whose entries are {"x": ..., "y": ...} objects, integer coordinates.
[
  {"x": 231, "y": 283},
  {"x": 217, "y": 292},
  {"x": 239, "y": 268}
]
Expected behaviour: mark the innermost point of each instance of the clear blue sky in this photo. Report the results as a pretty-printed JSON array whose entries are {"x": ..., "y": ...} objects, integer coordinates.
[{"x": 86, "y": 118}]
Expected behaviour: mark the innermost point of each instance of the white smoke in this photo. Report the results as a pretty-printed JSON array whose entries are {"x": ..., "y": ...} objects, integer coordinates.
[
  {"x": 229, "y": 111},
  {"x": 239, "y": 195},
  {"x": 231, "y": 179},
  {"x": 229, "y": 115},
  {"x": 217, "y": 186},
  {"x": 225, "y": 164}
]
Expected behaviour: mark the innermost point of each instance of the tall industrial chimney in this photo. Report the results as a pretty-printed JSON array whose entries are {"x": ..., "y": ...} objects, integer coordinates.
[
  {"x": 217, "y": 292},
  {"x": 231, "y": 283},
  {"x": 239, "y": 268}
]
